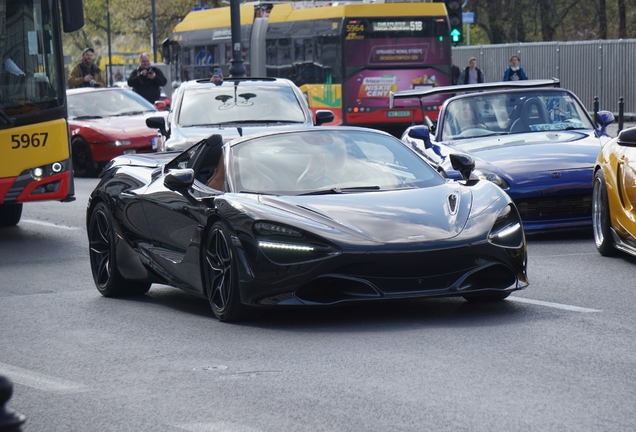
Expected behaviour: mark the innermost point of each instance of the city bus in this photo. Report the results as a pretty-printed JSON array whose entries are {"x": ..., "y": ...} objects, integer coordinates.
[
  {"x": 345, "y": 56},
  {"x": 35, "y": 153}
]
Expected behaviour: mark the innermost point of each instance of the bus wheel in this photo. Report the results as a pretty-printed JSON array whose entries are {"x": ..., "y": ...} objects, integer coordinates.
[
  {"x": 10, "y": 214},
  {"x": 83, "y": 164}
]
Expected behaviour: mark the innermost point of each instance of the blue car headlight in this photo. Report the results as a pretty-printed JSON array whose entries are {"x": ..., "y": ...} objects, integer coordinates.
[
  {"x": 507, "y": 230},
  {"x": 495, "y": 178}
]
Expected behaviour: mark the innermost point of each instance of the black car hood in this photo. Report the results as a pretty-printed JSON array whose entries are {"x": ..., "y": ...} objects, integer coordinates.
[
  {"x": 184, "y": 137},
  {"x": 412, "y": 215}
]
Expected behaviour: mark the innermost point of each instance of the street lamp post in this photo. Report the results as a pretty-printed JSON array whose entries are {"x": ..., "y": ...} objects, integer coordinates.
[
  {"x": 237, "y": 70},
  {"x": 110, "y": 58},
  {"x": 154, "y": 32}
]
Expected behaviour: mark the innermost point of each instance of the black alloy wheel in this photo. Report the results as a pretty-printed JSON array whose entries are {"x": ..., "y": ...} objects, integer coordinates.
[
  {"x": 601, "y": 217},
  {"x": 221, "y": 276},
  {"x": 101, "y": 238},
  {"x": 83, "y": 163}
]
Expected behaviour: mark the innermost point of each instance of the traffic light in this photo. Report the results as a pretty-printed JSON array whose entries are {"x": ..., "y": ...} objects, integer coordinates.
[{"x": 454, "y": 9}]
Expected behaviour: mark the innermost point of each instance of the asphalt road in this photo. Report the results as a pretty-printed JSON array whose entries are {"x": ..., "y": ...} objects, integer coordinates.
[{"x": 559, "y": 356}]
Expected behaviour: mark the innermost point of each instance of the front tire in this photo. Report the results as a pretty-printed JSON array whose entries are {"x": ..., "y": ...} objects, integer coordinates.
[
  {"x": 601, "y": 222},
  {"x": 10, "y": 214},
  {"x": 220, "y": 276},
  {"x": 103, "y": 257},
  {"x": 83, "y": 163}
]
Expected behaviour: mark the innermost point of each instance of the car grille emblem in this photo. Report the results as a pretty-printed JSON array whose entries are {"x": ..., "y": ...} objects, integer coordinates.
[
  {"x": 555, "y": 174},
  {"x": 453, "y": 200}
]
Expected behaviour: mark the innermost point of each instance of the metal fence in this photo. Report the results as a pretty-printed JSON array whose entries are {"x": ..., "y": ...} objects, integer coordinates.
[{"x": 602, "y": 68}]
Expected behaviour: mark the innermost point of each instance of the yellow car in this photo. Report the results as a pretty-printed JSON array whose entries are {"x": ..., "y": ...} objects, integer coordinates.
[{"x": 614, "y": 195}]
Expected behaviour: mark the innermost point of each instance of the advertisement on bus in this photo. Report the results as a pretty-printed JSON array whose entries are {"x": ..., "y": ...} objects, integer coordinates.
[{"x": 390, "y": 65}]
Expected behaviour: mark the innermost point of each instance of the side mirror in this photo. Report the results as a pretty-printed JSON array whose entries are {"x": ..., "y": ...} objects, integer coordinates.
[
  {"x": 463, "y": 163},
  {"x": 161, "y": 105},
  {"x": 72, "y": 15},
  {"x": 158, "y": 123},
  {"x": 603, "y": 119},
  {"x": 324, "y": 116},
  {"x": 421, "y": 133},
  {"x": 179, "y": 180},
  {"x": 627, "y": 137}
]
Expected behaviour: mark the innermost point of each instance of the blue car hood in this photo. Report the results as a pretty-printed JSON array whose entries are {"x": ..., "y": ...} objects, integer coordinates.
[
  {"x": 413, "y": 215},
  {"x": 536, "y": 151}
]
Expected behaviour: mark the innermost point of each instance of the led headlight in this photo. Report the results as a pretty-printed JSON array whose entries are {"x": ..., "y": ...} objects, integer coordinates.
[
  {"x": 271, "y": 245},
  {"x": 285, "y": 245},
  {"x": 491, "y": 177},
  {"x": 271, "y": 229},
  {"x": 507, "y": 230}
]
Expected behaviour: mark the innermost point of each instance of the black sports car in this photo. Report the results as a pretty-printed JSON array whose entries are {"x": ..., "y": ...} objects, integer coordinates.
[{"x": 307, "y": 217}]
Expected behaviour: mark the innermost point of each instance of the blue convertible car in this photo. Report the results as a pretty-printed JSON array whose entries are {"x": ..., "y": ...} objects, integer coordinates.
[{"x": 533, "y": 139}]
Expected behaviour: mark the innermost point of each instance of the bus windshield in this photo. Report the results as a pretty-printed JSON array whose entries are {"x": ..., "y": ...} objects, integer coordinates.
[{"x": 28, "y": 66}]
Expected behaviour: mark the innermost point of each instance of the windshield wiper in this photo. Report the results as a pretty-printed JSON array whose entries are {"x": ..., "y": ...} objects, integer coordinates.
[
  {"x": 86, "y": 117},
  {"x": 127, "y": 113},
  {"x": 279, "y": 122},
  {"x": 492, "y": 134},
  {"x": 338, "y": 190},
  {"x": 256, "y": 192}
]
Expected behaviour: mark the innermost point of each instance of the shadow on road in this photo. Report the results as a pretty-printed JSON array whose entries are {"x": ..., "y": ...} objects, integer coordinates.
[{"x": 362, "y": 317}]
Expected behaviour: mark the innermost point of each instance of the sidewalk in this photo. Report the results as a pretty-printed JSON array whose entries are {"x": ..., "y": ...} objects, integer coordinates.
[{"x": 612, "y": 130}]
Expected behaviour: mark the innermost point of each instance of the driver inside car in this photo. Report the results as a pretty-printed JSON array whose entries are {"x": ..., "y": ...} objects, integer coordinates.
[{"x": 462, "y": 118}]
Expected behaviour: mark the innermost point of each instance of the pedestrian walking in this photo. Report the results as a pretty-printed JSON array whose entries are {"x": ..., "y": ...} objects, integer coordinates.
[
  {"x": 514, "y": 72},
  {"x": 471, "y": 74}
]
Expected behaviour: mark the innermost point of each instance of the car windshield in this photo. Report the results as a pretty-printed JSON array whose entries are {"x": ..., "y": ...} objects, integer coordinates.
[
  {"x": 326, "y": 161},
  {"x": 106, "y": 103},
  {"x": 484, "y": 114},
  {"x": 219, "y": 105}
]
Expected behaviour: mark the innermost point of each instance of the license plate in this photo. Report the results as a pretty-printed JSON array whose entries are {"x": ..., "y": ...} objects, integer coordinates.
[
  {"x": 399, "y": 113},
  {"x": 130, "y": 151}
]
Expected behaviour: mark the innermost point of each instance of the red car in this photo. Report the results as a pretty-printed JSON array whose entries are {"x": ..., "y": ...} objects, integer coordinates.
[{"x": 108, "y": 122}]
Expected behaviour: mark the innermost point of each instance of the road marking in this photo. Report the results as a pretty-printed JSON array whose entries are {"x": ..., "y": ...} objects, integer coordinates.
[
  {"x": 222, "y": 426},
  {"x": 40, "y": 381},
  {"x": 562, "y": 255},
  {"x": 553, "y": 305},
  {"x": 48, "y": 224}
]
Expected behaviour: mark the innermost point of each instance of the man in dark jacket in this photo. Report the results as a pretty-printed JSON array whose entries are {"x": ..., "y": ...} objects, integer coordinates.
[
  {"x": 147, "y": 80},
  {"x": 86, "y": 73},
  {"x": 471, "y": 75}
]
